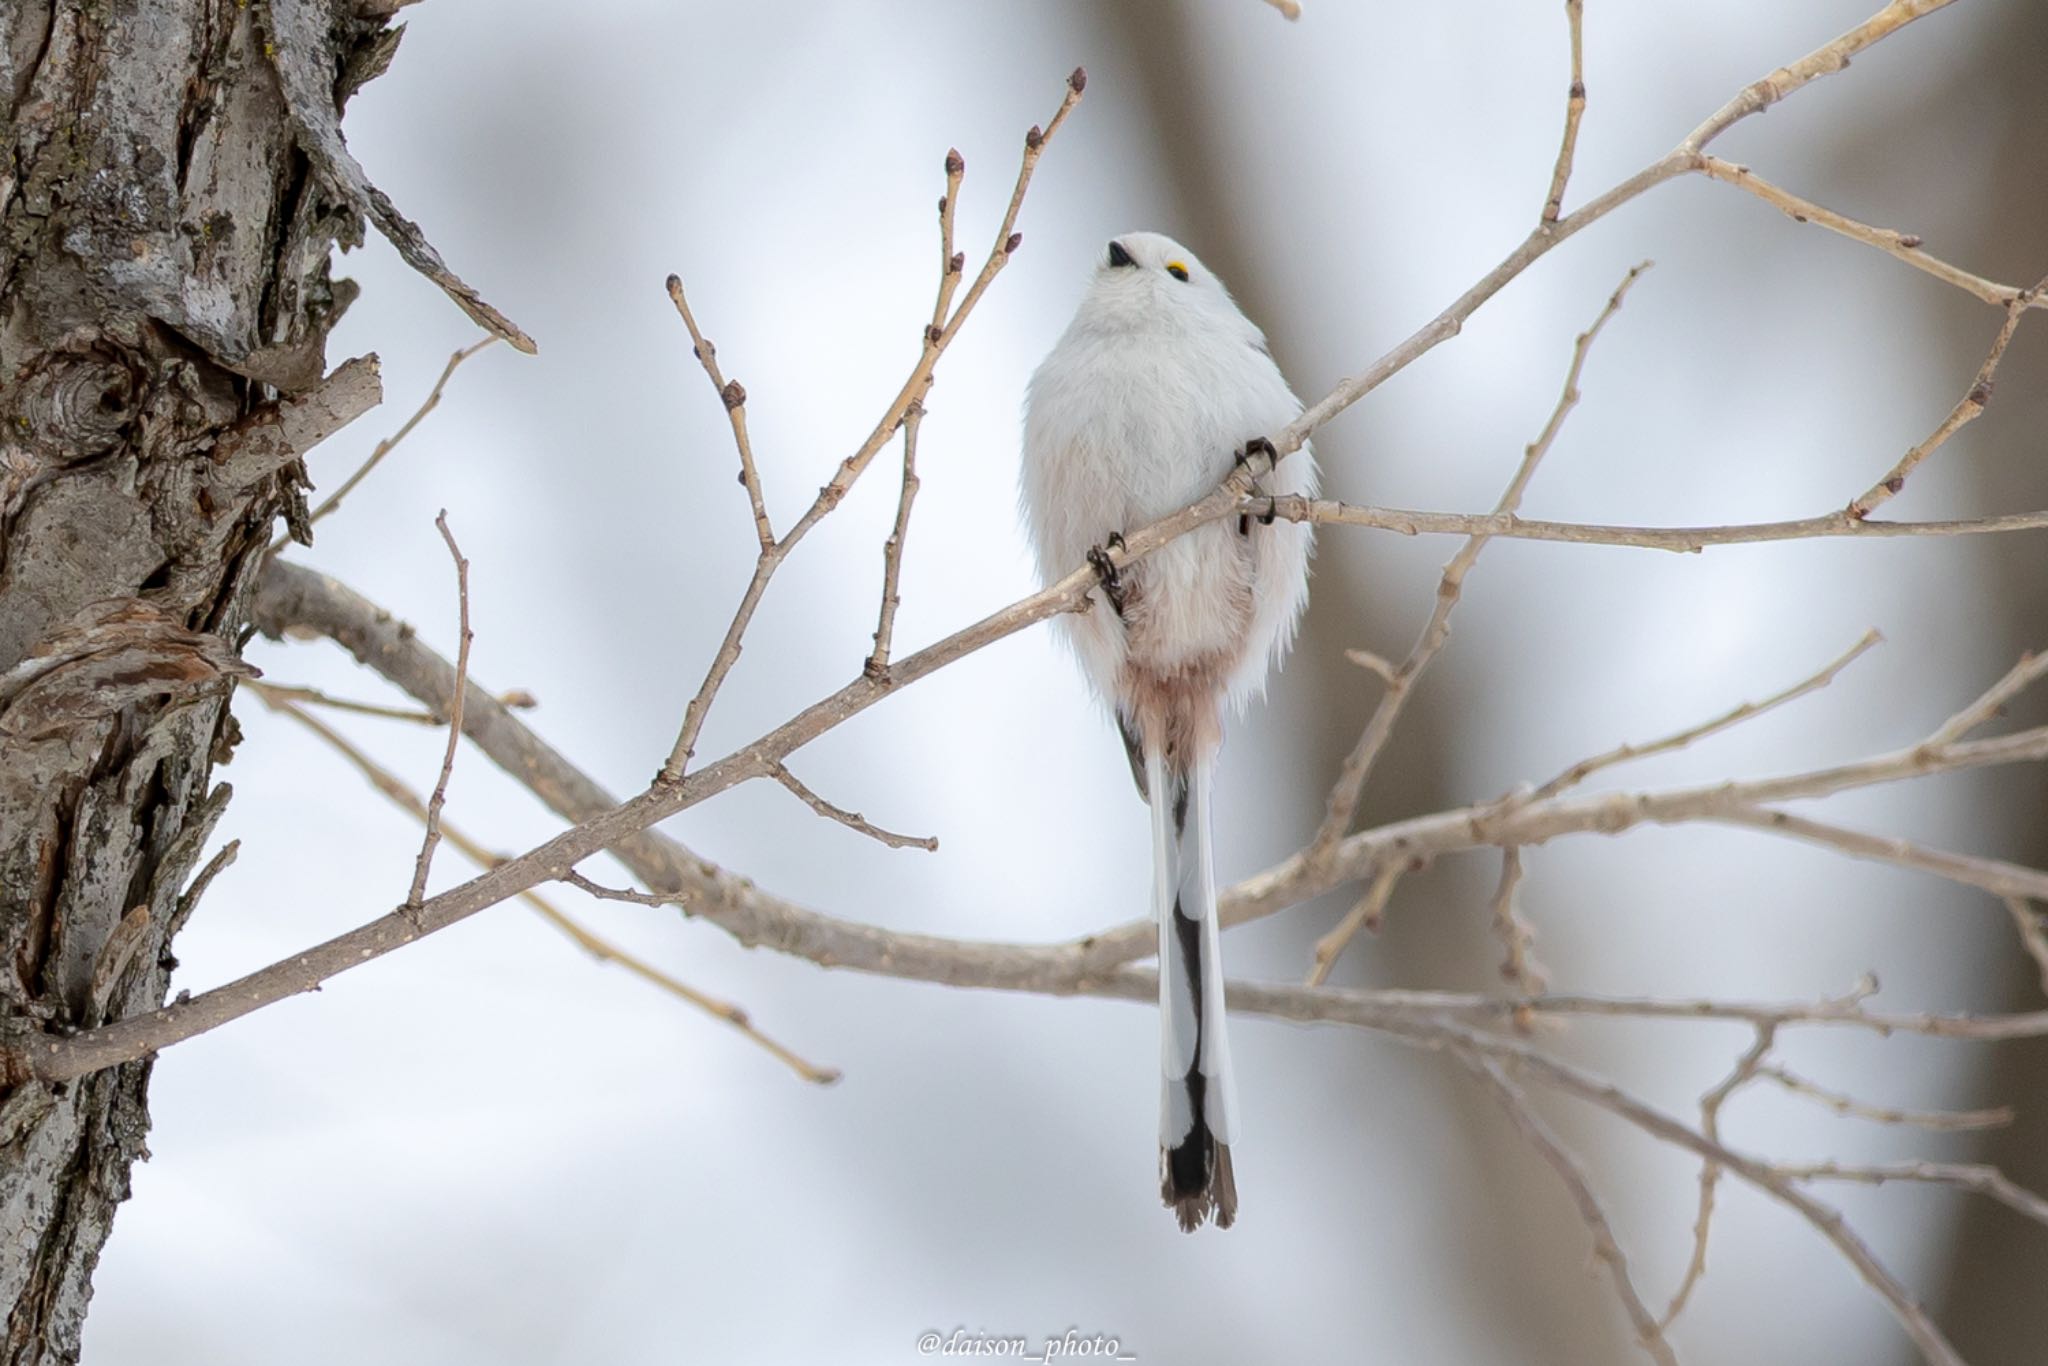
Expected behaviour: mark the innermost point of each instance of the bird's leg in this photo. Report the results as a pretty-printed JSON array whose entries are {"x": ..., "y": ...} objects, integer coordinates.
[
  {"x": 1105, "y": 569},
  {"x": 1258, "y": 445}
]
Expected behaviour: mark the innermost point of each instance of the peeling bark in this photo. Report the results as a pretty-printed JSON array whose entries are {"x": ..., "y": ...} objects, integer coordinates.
[{"x": 164, "y": 306}]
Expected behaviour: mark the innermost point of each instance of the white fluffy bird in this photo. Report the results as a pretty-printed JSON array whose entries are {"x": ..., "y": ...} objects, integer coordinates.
[{"x": 1158, "y": 386}]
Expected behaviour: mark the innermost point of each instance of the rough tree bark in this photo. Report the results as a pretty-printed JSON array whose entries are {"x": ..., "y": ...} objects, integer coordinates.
[{"x": 164, "y": 305}]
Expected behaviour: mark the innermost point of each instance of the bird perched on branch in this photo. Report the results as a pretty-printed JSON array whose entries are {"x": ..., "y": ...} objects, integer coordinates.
[{"x": 1159, "y": 386}]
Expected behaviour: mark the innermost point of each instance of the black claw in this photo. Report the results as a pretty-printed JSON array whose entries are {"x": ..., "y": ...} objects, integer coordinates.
[
  {"x": 1272, "y": 511},
  {"x": 1105, "y": 569},
  {"x": 1258, "y": 445}
]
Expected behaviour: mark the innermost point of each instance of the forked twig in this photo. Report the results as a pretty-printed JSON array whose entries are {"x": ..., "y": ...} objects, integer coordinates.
[{"x": 434, "y": 803}]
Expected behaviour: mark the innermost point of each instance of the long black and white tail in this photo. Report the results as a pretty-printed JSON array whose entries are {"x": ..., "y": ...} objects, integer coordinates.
[{"x": 1198, "y": 1097}]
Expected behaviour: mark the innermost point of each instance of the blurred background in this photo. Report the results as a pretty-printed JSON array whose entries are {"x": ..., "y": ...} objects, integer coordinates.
[{"x": 489, "y": 1148}]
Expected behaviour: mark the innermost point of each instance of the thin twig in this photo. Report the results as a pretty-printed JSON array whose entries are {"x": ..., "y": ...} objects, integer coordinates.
[
  {"x": 1995, "y": 876},
  {"x": 2033, "y": 928},
  {"x": 892, "y": 549},
  {"x": 1992, "y": 700},
  {"x": 390, "y": 443},
  {"x": 1967, "y": 410},
  {"x": 1541, "y": 1137},
  {"x": 936, "y": 340},
  {"x": 1365, "y": 914},
  {"x": 1683, "y": 540},
  {"x": 1744, "y": 1072},
  {"x": 1574, "y": 109},
  {"x": 1349, "y": 787},
  {"x": 1901, "y": 245},
  {"x": 600, "y": 892},
  {"x": 1939, "y": 1120},
  {"x": 734, "y": 396},
  {"x": 1516, "y": 935},
  {"x": 318, "y": 698},
  {"x": 602, "y": 949},
  {"x": 440, "y": 796},
  {"x": 852, "y": 820},
  {"x": 1289, "y": 9},
  {"x": 1585, "y": 768},
  {"x": 1983, "y": 1180}
]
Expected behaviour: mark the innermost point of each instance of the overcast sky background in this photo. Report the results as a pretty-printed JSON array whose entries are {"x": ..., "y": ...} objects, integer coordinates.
[{"x": 488, "y": 1148}]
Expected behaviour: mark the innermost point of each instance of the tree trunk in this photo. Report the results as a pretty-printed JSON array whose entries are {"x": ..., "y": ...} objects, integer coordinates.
[{"x": 164, "y": 304}]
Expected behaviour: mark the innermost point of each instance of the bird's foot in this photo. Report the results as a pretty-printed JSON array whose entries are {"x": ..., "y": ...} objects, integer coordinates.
[{"x": 1106, "y": 570}]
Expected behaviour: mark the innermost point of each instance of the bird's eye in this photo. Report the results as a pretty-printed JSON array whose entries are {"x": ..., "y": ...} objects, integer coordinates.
[
  {"x": 1177, "y": 271},
  {"x": 1118, "y": 256}
]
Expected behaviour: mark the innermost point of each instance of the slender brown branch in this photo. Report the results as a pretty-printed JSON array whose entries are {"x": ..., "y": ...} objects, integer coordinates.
[
  {"x": 892, "y": 549},
  {"x": 734, "y": 396},
  {"x": 280, "y": 700},
  {"x": 1991, "y": 702},
  {"x": 1585, "y": 768},
  {"x": 1995, "y": 876},
  {"x": 1902, "y": 246},
  {"x": 425, "y": 861},
  {"x": 936, "y": 341},
  {"x": 1983, "y": 1180},
  {"x": 390, "y": 443},
  {"x": 1541, "y": 1137},
  {"x": 1349, "y": 787},
  {"x": 1967, "y": 410},
  {"x": 852, "y": 820},
  {"x": 1678, "y": 539},
  {"x": 318, "y": 698},
  {"x": 1574, "y": 109},
  {"x": 2033, "y": 928},
  {"x": 1365, "y": 914},
  {"x": 1942, "y": 1120},
  {"x": 1828, "y": 1222},
  {"x": 1517, "y": 936},
  {"x": 1744, "y": 1072}
]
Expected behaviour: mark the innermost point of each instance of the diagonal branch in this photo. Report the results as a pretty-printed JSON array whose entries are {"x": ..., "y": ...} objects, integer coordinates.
[
  {"x": 434, "y": 803},
  {"x": 1349, "y": 787},
  {"x": 937, "y": 338},
  {"x": 1541, "y": 1137}
]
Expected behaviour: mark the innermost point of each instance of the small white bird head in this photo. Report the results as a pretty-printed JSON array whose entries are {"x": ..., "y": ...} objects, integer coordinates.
[{"x": 1147, "y": 277}]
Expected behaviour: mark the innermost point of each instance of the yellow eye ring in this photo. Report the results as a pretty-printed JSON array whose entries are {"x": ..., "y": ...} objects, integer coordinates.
[{"x": 1177, "y": 271}]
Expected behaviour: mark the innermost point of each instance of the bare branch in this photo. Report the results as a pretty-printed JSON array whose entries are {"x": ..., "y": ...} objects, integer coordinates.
[
  {"x": 1969, "y": 1176},
  {"x": 1967, "y": 410},
  {"x": 1289, "y": 9},
  {"x": 1517, "y": 937},
  {"x": 390, "y": 443},
  {"x": 936, "y": 340},
  {"x": 602, "y": 949},
  {"x": 1540, "y": 1136},
  {"x": 1585, "y": 768},
  {"x": 1364, "y": 915},
  {"x": 1995, "y": 876},
  {"x": 317, "y": 698},
  {"x": 2033, "y": 928},
  {"x": 1349, "y": 787},
  {"x": 1678, "y": 539},
  {"x": 734, "y": 398},
  {"x": 1744, "y": 1072},
  {"x": 1940, "y": 1120},
  {"x": 1993, "y": 699},
  {"x": 1574, "y": 109},
  {"x": 435, "y": 802},
  {"x": 1903, "y": 246},
  {"x": 892, "y": 549},
  {"x": 852, "y": 820}
]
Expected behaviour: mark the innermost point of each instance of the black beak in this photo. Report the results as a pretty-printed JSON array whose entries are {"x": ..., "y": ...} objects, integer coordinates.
[{"x": 1118, "y": 256}]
